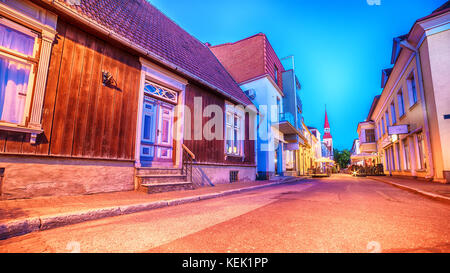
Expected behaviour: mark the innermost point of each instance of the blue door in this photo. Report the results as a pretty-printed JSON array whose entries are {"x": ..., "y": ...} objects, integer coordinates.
[{"x": 148, "y": 134}]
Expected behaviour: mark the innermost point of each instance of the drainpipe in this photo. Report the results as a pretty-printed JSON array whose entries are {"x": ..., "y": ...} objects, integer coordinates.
[{"x": 405, "y": 44}]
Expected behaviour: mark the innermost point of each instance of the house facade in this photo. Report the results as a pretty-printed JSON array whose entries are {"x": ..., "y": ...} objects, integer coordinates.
[
  {"x": 92, "y": 101},
  {"x": 411, "y": 117},
  {"x": 291, "y": 120},
  {"x": 259, "y": 72}
]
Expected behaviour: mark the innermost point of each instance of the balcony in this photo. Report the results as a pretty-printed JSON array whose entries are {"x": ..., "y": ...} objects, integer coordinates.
[
  {"x": 286, "y": 125},
  {"x": 368, "y": 147}
]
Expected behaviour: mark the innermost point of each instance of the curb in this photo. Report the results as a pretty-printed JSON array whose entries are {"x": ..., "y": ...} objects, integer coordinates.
[
  {"x": 417, "y": 191},
  {"x": 24, "y": 226}
]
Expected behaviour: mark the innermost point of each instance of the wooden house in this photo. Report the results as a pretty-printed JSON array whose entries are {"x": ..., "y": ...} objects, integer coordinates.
[{"x": 102, "y": 98}]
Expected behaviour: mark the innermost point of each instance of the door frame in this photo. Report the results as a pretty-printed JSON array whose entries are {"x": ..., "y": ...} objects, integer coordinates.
[{"x": 152, "y": 72}]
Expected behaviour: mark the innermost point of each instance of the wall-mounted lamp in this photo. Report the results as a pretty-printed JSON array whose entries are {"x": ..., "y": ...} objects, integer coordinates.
[{"x": 108, "y": 79}]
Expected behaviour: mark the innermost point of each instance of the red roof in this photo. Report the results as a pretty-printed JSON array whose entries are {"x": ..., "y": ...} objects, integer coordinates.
[
  {"x": 250, "y": 58},
  {"x": 326, "y": 126},
  {"x": 143, "y": 24}
]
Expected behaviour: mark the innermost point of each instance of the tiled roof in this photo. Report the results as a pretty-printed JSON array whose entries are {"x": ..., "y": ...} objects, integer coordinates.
[{"x": 143, "y": 24}]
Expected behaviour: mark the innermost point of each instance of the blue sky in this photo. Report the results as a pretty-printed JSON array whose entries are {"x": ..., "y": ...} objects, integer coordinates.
[{"x": 340, "y": 47}]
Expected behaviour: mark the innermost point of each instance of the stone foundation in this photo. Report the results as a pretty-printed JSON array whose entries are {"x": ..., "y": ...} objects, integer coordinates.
[
  {"x": 28, "y": 177},
  {"x": 220, "y": 174},
  {"x": 447, "y": 176},
  {"x": 265, "y": 175}
]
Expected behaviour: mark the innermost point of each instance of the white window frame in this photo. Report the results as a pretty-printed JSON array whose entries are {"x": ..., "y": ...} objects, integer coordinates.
[
  {"x": 33, "y": 61},
  {"x": 234, "y": 112},
  {"x": 393, "y": 113},
  {"x": 401, "y": 103},
  {"x": 27, "y": 17},
  {"x": 406, "y": 155},
  {"x": 409, "y": 80}
]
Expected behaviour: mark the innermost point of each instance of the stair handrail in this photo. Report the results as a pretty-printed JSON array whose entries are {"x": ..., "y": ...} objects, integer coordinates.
[
  {"x": 188, "y": 162},
  {"x": 186, "y": 149}
]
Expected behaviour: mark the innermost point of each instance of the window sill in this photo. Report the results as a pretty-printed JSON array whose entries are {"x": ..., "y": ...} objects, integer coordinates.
[
  {"x": 21, "y": 129},
  {"x": 413, "y": 106},
  {"x": 233, "y": 155}
]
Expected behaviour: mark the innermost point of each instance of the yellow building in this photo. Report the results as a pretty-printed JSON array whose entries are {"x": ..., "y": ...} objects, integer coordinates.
[{"x": 411, "y": 118}]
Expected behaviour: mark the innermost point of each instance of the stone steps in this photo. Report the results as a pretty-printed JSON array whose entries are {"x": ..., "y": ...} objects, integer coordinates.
[
  {"x": 156, "y": 180},
  {"x": 166, "y": 187},
  {"x": 157, "y": 171}
]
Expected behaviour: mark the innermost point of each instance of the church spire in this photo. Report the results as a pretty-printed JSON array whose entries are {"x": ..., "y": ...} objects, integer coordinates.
[
  {"x": 327, "y": 124},
  {"x": 326, "y": 127}
]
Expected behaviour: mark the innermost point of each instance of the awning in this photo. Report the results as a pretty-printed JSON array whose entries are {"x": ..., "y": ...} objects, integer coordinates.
[
  {"x": 324, "y": 160},
  {"x": 363, "y": 156}
]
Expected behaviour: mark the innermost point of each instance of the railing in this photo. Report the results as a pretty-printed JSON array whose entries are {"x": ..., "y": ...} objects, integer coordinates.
[
  {"x": 287, "y": 117},
  {"x": 188, "y": 161},
  {"x": 195, "y": 175}
]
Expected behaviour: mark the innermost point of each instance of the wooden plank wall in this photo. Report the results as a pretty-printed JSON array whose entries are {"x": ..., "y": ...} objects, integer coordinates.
[
  {"x": 213, "y": 151},
  {"x": 81, "y": 117}
]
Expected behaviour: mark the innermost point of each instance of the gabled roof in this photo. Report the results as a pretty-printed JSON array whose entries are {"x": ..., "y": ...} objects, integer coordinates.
[
  {"x": 441, "y": 10},
  {"x": 385, "y": 73},
  {"x": 372, "y": 108},
  {"x": 251, "y": 58},
  {"x": 145, "y": 26},
  {"x": 396, "y": 48}
]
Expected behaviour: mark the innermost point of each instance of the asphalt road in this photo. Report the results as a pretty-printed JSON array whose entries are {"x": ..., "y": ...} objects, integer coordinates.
[{"x": 337, "y": 214}]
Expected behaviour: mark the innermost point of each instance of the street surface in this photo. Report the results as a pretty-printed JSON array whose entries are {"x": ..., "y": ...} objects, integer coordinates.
[{"x": 337, "y": 214}]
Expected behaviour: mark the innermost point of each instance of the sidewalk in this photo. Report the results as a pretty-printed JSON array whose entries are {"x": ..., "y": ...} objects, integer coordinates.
[
  {"x": 429, "y": 189},
  {"x": 19, "y": 217}
]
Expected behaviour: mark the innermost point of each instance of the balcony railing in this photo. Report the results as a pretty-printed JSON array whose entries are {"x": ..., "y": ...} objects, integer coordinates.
[{"x": 287, "y": 117}]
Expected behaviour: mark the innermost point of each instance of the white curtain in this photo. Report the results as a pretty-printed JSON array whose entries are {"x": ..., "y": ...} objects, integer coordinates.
[
  {"x": 15, "y": 40},
  {"x": 13, "y": 89},
  {"x": 14, "y": 74}
]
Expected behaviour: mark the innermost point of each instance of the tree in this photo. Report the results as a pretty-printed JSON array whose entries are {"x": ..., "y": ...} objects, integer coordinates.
[{"x": 342, "y": 158}]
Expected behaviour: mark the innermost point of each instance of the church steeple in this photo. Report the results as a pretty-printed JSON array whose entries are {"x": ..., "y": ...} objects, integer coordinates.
[
  {"x": 326, "y": 127},
  {"x": 327, "y": 138}
]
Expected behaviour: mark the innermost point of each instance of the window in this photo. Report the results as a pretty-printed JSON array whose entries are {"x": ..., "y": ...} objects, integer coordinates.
[
  {"x": 401, "y": 104},
  {"x": 391, "y": 153},
  {"x": 370, "y": 135},
  {"x": 27, "y": 33},
  {"x": 276, "y": 74},
  {"x": 382, "y": 126},
  {"x": 18, "y": 50},
  {"x": 234, "y": 131},
  {"x": 406, "y": 155},
  {"x": 160, "y": 91},
  {"x": 379, "y": 130},
  {"x": 421, "y": 160},
  {"x": 278, "y": 107},
  {"x": 397, "y": 154},
  {"x": 386, "y": 159},
  {"x": 386, "y": 116},
  {"x": 412, "y": 90},
  {"x": 393, "y": 115}
]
